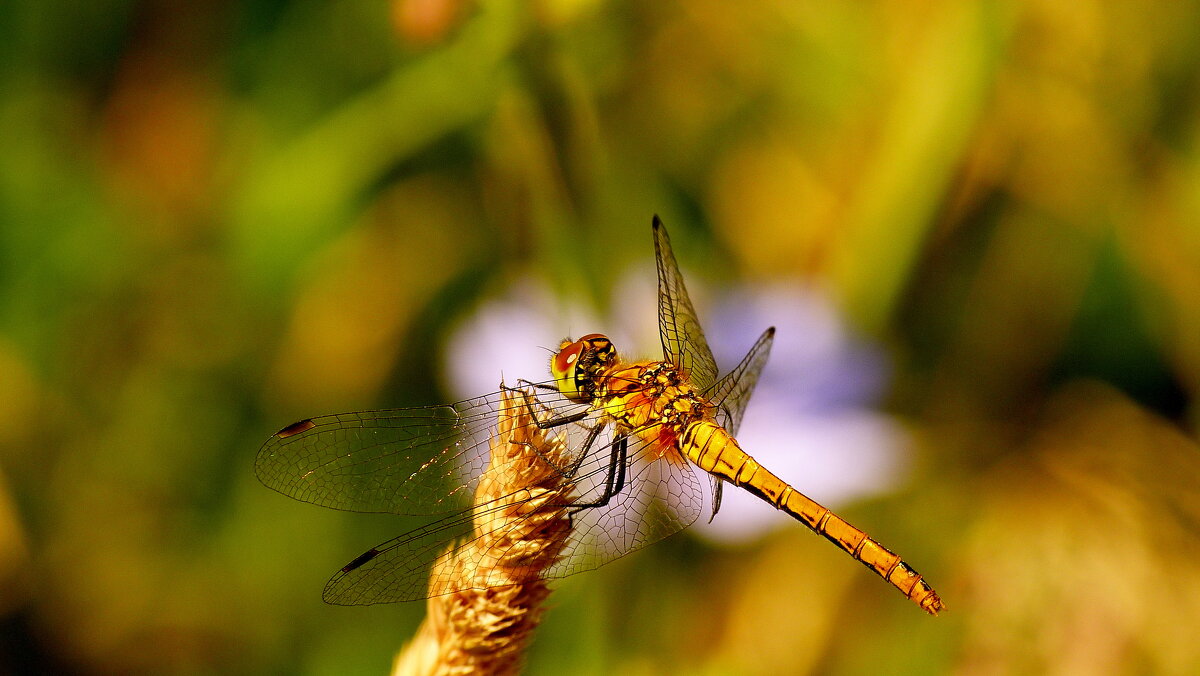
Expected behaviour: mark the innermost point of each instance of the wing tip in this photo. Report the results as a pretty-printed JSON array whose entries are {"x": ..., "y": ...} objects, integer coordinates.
[{"x": 335, "y": 596}]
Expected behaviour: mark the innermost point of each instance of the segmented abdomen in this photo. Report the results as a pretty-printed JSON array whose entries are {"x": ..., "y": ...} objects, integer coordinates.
[{"x": 711, "y": 448}]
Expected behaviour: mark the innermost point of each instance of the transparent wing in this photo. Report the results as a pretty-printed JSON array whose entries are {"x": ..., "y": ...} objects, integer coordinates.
[
  {"x": 732, "y": 393},
  {"x": 398, "y": 461},
  {"x": 397, "y": 570},
  {"x": 659, "y": 497},
  {"x": 682, "y": 338}
]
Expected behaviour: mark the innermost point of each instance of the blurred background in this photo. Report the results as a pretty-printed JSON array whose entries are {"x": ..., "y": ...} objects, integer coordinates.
[{"x": 976, "y": 225}]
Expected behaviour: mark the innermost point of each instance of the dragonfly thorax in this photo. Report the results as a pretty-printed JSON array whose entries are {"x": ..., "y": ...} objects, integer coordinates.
[
  {"x": 579, "y": 364},
  {"x": 652, "y": 400}
]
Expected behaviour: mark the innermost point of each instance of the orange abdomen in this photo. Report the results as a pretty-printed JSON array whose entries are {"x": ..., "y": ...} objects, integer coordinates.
[{"x": 711, "y": 448}]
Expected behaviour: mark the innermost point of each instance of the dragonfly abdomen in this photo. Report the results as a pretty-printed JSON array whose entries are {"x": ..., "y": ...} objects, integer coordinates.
[{"x": 711, "y": 447}]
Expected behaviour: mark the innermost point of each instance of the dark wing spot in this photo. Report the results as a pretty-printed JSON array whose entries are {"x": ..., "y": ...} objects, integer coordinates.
[
  {"x": 362, "y": 558},
  {"x": 296, "y": 428}
]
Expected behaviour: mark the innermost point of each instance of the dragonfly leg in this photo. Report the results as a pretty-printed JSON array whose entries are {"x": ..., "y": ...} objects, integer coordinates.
[
  {"x": 615, "y": 481},
  {"x": 552, "y": 422},
  {"x": 567, "y": 473},
  {"x": 593, "y": 432},
  {"x": 618, "y": 461},
  {"x": 584, "y": 450},
  {"x": 521, "y": 382}
]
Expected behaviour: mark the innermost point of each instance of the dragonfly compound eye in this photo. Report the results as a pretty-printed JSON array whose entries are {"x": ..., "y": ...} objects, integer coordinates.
[
  {"x": 578, "y": 363},
  {"x": 563, "y": 367}
]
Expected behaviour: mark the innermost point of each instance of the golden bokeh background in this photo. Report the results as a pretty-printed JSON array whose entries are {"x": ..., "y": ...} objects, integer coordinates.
[{"x": 218, "y": 218}]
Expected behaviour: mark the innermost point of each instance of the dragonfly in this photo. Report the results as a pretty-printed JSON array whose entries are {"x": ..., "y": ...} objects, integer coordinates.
[{"x": 638, "y": 437}]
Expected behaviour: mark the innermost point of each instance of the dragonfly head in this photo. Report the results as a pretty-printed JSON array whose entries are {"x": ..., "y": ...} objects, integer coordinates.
[{"x": 578, "y": 364}]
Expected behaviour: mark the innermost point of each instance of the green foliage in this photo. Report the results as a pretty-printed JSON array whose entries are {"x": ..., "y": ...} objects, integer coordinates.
[{"x": 217, "y": 218}]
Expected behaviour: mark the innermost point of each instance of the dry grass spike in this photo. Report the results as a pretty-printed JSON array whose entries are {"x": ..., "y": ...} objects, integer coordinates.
[{"x": 520, "y": 529}]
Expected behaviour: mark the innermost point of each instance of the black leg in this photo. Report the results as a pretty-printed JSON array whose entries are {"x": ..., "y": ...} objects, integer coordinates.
[
  {"x": 614, "y": 483},
  {"x": 618, "y": 461},
  {"x": 552, "y": 422},
  {"x": 593, "y": 432},
  {"x": 537, "y": 386}
]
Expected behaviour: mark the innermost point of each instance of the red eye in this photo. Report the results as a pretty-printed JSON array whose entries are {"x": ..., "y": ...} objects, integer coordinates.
[{"x": 566, "y": 357}]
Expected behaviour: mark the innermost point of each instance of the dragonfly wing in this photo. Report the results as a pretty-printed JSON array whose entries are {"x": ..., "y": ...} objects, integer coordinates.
[
  {"x": 398, "y": 570},
  {"x": 398, "y": 461},
  {"x": 717, "y": 486},
  {"x": 661, "y": 496},
  {"x": 658, "y": 497},
  {"x": 732, "y": 393},
  {"x": 682, "y": 338}
]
